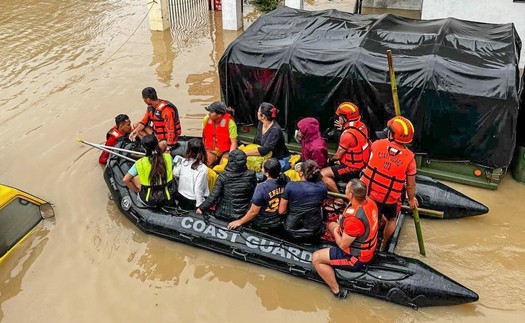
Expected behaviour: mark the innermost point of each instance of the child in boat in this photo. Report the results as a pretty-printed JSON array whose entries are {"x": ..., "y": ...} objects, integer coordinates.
[
  {"x": 151, "y": 176},
  {"x": 264, "y": 210},
  {"x": 233, "y": 189},
  {"x": 302, "y": 202},
  {"x": 192, "y": 175}
]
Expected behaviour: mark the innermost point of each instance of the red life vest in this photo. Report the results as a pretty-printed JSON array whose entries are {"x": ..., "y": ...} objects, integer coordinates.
[
  {"x": 160, "y": 123},
  {"x": 357, "y": 157},
  {"x": 385, "y": 173},
  {"x": 112, "y": 137},
  {"x": 113, "y": 132},
  {"x": 363, "y": 247},
  {"x": 217, "y": 135}
]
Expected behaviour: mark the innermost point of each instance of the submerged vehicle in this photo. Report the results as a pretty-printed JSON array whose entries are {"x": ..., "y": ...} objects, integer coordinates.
[
  {"x": 389, "y": 277},
  {"x": 20, "y": 212}
]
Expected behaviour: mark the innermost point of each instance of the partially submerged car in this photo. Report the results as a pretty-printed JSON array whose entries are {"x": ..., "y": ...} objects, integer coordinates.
[{"x": 20, "y": 212}]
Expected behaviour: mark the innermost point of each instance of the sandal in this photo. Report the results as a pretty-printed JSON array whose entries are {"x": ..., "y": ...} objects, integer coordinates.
[
  {"x": 342, "y": 293},
  {"x": 335, "y": 205}
]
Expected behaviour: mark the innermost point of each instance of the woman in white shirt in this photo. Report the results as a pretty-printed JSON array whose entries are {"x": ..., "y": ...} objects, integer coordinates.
[{"x": 192, "y": 175}]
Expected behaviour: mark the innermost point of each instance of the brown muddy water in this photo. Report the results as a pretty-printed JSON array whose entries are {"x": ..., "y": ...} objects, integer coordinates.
[{"x": 67, "y": 68}]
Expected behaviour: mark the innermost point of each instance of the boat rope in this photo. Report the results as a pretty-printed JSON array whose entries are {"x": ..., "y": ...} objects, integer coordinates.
[{"x": 134, "y": 31}]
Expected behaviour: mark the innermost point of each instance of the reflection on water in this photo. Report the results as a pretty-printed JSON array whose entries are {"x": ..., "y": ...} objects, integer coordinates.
[
  {"x": 18, "y": 263},
  {"x": 163, "y": 55}
]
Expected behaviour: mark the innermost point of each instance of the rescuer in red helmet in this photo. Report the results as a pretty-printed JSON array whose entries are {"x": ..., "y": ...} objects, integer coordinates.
[
  {"x": 390, "y": 169},
  {"x": 353, "y": 150}
]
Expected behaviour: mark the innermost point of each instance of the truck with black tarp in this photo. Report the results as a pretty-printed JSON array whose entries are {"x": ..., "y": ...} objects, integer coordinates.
[{"x": 458, "y": 81}]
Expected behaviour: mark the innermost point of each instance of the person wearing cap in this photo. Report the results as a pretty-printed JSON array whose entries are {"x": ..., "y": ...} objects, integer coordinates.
[
  {"x": 219, "y": 132},
  {"x": 354, "y": 147},
  {"x": 390, "y": 171},
  {"x": 122, "y": 128},
  {"x": 161, "y": 118}
]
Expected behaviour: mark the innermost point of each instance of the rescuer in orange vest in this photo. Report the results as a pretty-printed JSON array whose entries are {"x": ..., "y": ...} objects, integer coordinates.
[
  {"x": 219, "y": 132},
  {"x": 355, "y": 236},
  {"x": 353, "y": 150},
  {"x": 390, "y": 169},
  {"x": 161, "y": 118}
]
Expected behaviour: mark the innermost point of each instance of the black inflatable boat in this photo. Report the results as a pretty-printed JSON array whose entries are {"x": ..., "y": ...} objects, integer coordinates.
[{"x": 390, "y": 277}]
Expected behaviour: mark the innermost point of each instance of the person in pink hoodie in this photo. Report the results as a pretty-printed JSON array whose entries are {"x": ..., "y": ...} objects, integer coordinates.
[{"x": 313, "y": 145}]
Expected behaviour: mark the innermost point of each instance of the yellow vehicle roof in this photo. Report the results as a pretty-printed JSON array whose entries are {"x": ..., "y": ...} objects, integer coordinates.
[{"x": 8, "y": 193}]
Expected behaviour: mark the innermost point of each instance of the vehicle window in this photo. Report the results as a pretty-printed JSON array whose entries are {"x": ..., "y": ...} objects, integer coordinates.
[{"x": 16, "y": 219}]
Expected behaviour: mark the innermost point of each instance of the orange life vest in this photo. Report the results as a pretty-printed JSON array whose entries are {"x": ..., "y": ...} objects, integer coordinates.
[
  {"x": 385, "y": 173},
  {"x": 217, "y": 135},
  {"x": 357, "y": 157},
  {"x": 363, "y": 247},
  {"x": 161, "y": 125}
]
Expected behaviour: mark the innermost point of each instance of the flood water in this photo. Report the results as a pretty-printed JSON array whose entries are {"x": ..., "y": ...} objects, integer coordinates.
[{"x": 67, "y": 68}]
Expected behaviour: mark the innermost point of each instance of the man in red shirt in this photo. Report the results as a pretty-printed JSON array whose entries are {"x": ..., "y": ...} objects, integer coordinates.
[
  {"x": 390, "y": 167},
  {"x": 354, "y": 147},
  {"x": 355, "y": 236},
  {"x": 122, "y": 128},
  {"x": 161, "y": 118}
]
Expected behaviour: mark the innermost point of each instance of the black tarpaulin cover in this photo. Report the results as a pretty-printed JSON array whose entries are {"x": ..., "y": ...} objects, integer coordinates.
[{"x": 457, "y": 80}]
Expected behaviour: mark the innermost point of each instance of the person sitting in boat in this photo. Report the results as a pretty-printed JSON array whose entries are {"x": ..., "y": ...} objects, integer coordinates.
[
  {"x": 219, "y": 132},
  {"x": 192, "y": 175},
  {"x": 270, "y": 137},
  {"x": 233, "y": 189},
  {"x": 354, "y": 147},
  {"x": 264, "y": 210},
  {"x": 154, "y": 172},
  {"x": 121, "y": 129},
  {"x": 391, "y": 165},
  {"x": 312, "y": 143},
  {"x": 161, "y": 118},
  {"x": 301, "y": 202},
  {"x": 355, "y": 236}
]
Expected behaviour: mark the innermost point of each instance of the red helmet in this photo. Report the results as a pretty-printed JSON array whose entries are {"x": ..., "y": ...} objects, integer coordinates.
[
  {"x": 348, "y": 110},
  {"x": 401, "y": 129}
]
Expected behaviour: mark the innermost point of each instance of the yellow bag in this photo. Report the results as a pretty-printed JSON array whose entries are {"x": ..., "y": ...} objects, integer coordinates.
[
  {"x": 212, "y": 178},
  {"x": 294, "y": 159},
  {"x": 255, "y": 162},
  {"x": 220, "y": 167},
  {"x": 293, "y": 175}
]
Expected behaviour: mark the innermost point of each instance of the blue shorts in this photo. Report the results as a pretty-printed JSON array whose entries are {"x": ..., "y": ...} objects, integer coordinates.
[
  {"x": 340, "y": 259},
  {"x": 285, "y": 164}
]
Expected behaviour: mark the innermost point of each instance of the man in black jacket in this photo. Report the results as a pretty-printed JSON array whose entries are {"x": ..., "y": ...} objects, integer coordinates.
[{"x": 233, "y": 189}]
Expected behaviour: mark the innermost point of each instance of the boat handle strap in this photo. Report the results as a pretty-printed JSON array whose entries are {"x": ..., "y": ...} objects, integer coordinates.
[
  {"x": 187, "y": 236},
  {"x": 297, "y": 270},
  {"x": 239, "y": 253}
]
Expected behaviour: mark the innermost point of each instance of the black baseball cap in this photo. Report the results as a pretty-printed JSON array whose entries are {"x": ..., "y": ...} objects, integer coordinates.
[{"x": 218, "y": 107}]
